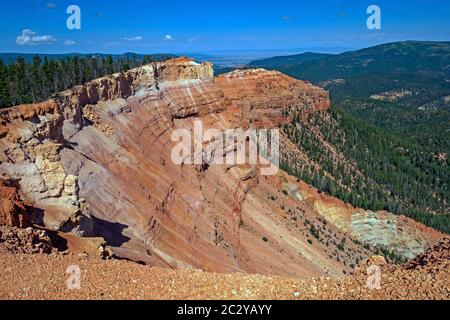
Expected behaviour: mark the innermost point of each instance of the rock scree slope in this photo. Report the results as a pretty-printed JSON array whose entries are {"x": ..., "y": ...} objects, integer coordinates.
[{"x": 41, "y": 276}]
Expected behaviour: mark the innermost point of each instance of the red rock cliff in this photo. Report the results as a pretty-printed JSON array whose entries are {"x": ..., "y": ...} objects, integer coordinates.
[{"x": 97, "y": 160}]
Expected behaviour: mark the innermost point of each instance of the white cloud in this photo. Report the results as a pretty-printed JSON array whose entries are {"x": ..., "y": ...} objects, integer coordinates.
[
  {"x": 135, "y": 38},
  {"x": 168, "y": 37},
  {"x": 69, "y": 42},
  {"x": 29, "y": 37}
]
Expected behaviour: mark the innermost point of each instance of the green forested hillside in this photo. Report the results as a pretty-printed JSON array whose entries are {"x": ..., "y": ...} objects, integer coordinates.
[
  {"x": 419, "y": 57},
  {"x": 370, "y": 168},
  {"x": 9, "y": 58},
  {"x": 390, "y": 121},
  {"x": 402, "y": 87}
]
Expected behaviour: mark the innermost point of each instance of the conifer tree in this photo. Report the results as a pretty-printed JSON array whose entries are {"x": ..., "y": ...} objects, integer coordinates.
[
  {"x": 5, "y": 95},
  {"x": 36, "y": 78}
]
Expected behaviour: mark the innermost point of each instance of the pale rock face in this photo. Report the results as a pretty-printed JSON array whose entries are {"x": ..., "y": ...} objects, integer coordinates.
[
  {"x": 97, "y": 160},
  {"x": 382, "y": 229}
]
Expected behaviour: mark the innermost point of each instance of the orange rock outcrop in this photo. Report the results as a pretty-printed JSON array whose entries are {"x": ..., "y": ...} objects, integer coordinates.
[{"x": 12, "y": 209}]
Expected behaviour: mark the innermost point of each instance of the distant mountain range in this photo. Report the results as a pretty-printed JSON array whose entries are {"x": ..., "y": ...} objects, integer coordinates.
[
  {"x": 288, "y": 61},
  {"x": 8, "y": 58},
  {"x": 408, "y": 56},
  {"x": 402, "y": 87},
  {"x": 12, "y": 57},
  {"x": 390, "y": 115}
]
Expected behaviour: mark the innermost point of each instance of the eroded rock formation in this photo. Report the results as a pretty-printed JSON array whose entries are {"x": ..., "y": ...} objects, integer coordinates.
[{"x": 96, "y": 160}]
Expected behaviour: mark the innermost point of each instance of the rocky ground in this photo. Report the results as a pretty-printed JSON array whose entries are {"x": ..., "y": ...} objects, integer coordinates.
[
  {"x": 45, "y": 276},
  {"x": 29, "y": 240}
]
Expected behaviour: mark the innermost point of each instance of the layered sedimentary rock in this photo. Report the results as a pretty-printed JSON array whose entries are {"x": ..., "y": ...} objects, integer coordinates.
[{"x": 97, "y": 160}]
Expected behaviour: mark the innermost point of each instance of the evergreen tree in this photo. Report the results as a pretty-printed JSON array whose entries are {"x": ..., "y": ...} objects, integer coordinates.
[
  {"x": 23, "y": 83},
  {"x": 5, "y": 95},
  {"x": 36, "y": 78},
  {"x": 110, "y": 65}
]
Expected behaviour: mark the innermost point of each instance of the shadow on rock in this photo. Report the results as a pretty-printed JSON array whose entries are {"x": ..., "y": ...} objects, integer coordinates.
[{"x": 112, "y": 232}]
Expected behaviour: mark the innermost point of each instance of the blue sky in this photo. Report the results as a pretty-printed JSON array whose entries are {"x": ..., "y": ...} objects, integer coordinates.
[{"x": 114, "y": 26}]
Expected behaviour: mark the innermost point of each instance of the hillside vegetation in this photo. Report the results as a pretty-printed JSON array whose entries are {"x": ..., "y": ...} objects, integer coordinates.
[
  {"x": 403, "y": 87},
  {"x": 370, "y": 168},
  {"x": 389, "y": 121}
]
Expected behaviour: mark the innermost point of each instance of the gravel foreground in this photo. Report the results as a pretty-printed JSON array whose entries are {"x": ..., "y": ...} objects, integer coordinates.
[{"x": 45, "y": 276}]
